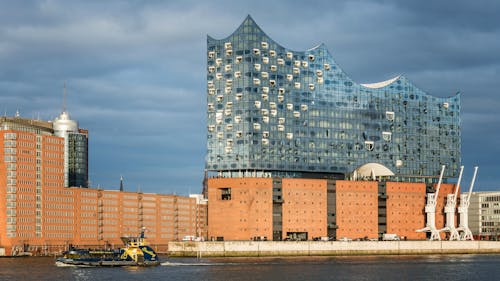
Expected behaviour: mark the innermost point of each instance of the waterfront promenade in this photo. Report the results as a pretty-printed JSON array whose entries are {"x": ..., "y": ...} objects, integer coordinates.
[{"x": 327, "y": 248}]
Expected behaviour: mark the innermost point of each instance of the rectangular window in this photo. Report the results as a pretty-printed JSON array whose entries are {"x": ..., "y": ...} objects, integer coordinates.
[{"x": 225, "y": 193}]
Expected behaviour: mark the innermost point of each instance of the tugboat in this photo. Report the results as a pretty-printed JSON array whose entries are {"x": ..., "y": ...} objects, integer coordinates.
[{"x": 135, "y": 253}]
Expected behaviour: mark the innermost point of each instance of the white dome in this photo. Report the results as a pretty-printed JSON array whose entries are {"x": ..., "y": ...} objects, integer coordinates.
[
  {"x": 372, "y": 170},
  {"x": 63, "y": 125}
]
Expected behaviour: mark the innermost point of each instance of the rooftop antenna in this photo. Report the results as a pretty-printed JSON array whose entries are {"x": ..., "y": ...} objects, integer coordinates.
[
  {"x": 64, "y": 98},
  {"x": 121, "y": 183}
]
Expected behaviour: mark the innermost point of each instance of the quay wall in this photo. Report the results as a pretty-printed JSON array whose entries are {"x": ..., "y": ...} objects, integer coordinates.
[{"x": 327, "y": 248}]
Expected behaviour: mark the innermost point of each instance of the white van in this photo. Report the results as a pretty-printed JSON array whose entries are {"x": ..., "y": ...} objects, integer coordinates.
[{"x": 191, "y": 238}]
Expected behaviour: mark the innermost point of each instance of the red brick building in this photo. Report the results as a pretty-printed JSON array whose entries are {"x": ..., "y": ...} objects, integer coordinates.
[
  {"x": 250, "y": 208},
  {"x": 40, "y": 215}
]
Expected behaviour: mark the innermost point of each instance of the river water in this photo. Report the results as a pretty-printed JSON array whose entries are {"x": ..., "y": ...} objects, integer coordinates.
[{"x": 387, "y": 268}]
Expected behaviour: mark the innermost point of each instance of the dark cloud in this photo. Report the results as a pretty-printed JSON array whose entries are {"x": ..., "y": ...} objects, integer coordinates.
[{"x": 136, "y": 70}]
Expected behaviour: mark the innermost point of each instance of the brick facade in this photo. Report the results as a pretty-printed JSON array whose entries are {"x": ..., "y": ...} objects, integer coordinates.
[
  {"x": 357, "y": 209},
  {"x": 243, "y": 214},
  {"x": 304, "y": 207},
  {"x": 405, "y": 209}
]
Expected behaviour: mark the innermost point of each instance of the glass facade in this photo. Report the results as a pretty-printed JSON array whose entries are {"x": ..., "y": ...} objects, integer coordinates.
[
  {"x": 274, "y": 111},
  {"x": 77, "y": 160}
]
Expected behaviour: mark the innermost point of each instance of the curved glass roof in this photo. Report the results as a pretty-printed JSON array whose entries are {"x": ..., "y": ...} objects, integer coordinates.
[{"x": 321, "y": 48}]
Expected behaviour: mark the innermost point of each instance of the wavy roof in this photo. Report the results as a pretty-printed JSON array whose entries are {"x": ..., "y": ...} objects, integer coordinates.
[{"x": 322, "y": 47}]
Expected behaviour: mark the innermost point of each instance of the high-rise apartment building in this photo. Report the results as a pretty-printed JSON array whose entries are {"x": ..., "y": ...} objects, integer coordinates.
[
  {"x": 31, "y": 161},
  {"x": 277, "y": 112}
]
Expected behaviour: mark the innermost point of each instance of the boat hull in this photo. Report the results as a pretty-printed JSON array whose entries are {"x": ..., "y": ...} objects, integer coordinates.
[
  {"x": 135, "y": 253},
  {"x": 63, "y": 262}
]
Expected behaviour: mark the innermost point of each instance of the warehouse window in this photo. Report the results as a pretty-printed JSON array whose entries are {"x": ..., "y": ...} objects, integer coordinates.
[{"x": 225, "y": 193}]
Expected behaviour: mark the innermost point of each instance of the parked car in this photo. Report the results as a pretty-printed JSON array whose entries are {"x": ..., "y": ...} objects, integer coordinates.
[
  {"x": 345, "y": 239},
  {"x": 362, "y": 239},
  {"x": 390, "y": 237},
  {"x": 191, "y": 238}
]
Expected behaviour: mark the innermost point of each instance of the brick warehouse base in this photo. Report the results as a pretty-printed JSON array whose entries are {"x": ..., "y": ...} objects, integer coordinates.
[{"x": 304, "y": 209}]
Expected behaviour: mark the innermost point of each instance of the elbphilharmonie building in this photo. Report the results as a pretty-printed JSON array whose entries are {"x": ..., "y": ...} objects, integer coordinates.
[{"x": 276, "y": 112}]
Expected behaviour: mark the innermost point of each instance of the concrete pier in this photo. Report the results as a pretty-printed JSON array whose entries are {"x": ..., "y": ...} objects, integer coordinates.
[{"x": 330, "y": 248}]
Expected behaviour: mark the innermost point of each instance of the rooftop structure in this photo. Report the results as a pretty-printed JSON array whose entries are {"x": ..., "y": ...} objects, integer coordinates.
[
  {"x": 18, "y": 123},
  {"x": 75, "y": 150},
  {"x": 273, "y": 111}
]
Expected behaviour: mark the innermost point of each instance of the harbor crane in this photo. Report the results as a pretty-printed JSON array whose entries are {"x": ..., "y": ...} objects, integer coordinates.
[
  {"x": 463, "y": 210},
  {"x": 449, "y": 209},
  {"x": 430, "y": 210}
]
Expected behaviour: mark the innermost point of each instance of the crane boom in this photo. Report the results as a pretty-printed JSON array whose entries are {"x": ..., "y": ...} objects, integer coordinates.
[
  {"x": 430, "y": 210},
  {"x": 472, "y": 182},
  {"x": 463, "y": 210},
  {"x": 449, "y": 209},
  {"x": 459, "y": 180},
  {"x": 439, "y": 184}
]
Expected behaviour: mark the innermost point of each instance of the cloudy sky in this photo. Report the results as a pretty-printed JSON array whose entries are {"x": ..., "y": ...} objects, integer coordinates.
[{"x": 136, "y": 71}]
